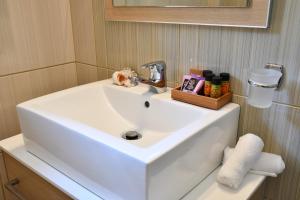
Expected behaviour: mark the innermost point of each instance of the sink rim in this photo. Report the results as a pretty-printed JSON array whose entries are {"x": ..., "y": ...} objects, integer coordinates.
[{"x": 143, "y": 154}]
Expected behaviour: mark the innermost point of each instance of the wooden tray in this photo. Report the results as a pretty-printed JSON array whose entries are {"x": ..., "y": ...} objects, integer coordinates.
[{"x": 200, "y": 100}]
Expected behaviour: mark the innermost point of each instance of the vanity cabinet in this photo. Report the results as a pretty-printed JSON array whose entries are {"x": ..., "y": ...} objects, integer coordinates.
[{"x": 21, "y": 183}]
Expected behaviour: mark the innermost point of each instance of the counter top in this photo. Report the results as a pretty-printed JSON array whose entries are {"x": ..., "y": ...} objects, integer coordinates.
[{"x": 208, "y": 189}]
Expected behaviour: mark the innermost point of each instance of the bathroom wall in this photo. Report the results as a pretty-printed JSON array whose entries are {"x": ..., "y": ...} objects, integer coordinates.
[
  {"x": 102, "y": 47},
  {"x": 36, "y": 54}
]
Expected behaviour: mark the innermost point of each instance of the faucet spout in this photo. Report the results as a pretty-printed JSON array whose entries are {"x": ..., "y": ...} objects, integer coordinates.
[{"x": 157, "y": 79}]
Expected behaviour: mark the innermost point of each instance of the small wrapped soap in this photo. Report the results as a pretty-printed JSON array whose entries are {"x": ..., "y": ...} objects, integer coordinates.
[{"x": 194, "y": 84}]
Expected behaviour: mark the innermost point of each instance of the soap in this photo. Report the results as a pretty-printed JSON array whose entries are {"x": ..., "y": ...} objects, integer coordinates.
[
  {"x": 194, "y": 84},
  {"x": 186, "y": 79}
]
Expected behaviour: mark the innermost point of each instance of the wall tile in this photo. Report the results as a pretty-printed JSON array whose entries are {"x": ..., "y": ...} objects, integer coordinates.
[
  {"x": 18, "y": 88},
  {"x": 100, "y": 34},
  {"x": 102, "y": 74},
  {"x": 89, "y": 73},
  {"x": 158, "y": 42},
  {"x": 110, "y": 73},
  {"x": 83, "y": 31},
  {"x": 8, "y": 117},
  {"x": 34, "y": 34},
  {"x": 86, "y": 73},
  {"x": 36, "y": 83},
  {"x": 200, "y": 47},
  {"x": 289, "y": 51},
  {"x": 189, "y": 50},
  {"x": 121, "y": 43}
]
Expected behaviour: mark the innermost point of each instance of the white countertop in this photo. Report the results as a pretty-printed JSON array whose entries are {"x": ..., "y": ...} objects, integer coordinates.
[{"x": 208, "y": 189}]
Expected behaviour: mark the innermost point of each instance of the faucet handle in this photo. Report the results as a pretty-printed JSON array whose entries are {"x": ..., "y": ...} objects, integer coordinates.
[{"x": 161, "y": 65}]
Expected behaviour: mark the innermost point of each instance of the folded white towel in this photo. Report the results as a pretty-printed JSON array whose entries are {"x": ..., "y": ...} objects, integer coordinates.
[
  {"x": 247, "y": 152},
  {"x": 268, "y": 164}
]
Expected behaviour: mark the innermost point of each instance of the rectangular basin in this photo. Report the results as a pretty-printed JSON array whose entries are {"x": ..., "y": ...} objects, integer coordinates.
[{"x": 79, "y": 132}]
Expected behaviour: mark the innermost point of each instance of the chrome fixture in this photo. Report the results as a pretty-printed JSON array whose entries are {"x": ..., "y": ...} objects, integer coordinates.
[
  {"x": 131, "y": 135},
  {"x": 263, "y": 83},
  {"x": 157, "y": 79},
  {"x": 277, "y": 67}
]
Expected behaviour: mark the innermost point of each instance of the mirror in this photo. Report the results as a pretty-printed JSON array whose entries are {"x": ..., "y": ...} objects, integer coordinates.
[
  {"x": 235, "y": 13},
  {"x": 181, "y": 3}
]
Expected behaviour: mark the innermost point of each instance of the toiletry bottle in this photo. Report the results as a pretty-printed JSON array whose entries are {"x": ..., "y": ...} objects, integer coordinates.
[
  {"x": 215, "y": 87},
  {"x": 205, "y": 72},
  {"x": 225, "y": 85},
  {"x": 207, "y": 85}
]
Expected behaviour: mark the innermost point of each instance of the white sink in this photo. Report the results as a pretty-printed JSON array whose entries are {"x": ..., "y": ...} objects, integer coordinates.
[{"x": 78, "y": 131}]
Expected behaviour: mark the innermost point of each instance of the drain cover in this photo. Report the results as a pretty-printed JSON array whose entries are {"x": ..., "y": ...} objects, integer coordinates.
[{"x": 131, "y": 135}]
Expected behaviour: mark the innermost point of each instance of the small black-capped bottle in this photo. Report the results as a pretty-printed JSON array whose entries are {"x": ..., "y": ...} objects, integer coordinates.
[
  {"x": 207, "y": 83},
  {"x": 215, "y": 87},
  {"x": 205, "y": 72},
  {"x": 225, "y": 85}
]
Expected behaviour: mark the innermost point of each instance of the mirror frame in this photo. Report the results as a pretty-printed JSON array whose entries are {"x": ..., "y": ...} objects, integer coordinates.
[{"x": 257, "y": 15}]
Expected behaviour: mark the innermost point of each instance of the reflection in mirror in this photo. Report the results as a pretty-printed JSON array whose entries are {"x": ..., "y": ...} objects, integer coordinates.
[{"x": 183, "y": 3}]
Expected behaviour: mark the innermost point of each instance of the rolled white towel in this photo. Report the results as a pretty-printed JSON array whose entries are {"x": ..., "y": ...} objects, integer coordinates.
[
  {"x": 247, "y": 152},
  {"x": 268, "y": 164}
]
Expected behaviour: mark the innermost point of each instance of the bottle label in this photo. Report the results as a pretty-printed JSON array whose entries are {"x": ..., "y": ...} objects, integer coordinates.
[
  {"x": 207, "y": 88},
  {"x": 225, "y": 87},
  {"x": 215, "y": 91}
]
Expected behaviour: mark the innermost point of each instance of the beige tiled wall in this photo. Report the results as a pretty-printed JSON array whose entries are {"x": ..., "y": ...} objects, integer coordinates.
[
  {"x": 17, "y": 88},
  {"x": 36, "y": 55},
  {"x": 89, "y": 73},
  {"x": 235, "y": 50},
  {"x": 34, "y": 34},
  {"x": 83, "y": 31}
]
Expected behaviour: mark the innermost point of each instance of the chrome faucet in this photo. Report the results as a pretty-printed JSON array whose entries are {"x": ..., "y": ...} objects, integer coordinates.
[{"x": 157, "y": 79}]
